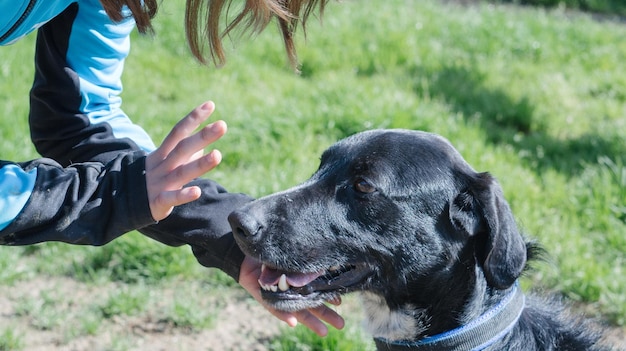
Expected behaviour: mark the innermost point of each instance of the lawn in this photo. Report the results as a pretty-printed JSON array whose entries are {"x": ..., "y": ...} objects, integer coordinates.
[{"x": 536, "y": 97}]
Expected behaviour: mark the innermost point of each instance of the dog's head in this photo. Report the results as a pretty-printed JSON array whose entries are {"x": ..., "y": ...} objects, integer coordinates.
[{"x": 388, "y": 211}]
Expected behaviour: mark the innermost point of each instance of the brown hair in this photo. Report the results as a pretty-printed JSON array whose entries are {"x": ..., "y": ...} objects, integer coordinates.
[{"x": 202, "y": 21}]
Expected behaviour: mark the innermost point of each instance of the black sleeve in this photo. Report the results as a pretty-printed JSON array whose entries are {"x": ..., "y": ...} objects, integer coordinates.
[
  {"x": 88, "y": 204},
  {"x": 203, "y": 224}
]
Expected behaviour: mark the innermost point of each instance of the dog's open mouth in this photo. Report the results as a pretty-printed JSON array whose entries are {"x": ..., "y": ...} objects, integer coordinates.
[{"x": 277, "y": 284}]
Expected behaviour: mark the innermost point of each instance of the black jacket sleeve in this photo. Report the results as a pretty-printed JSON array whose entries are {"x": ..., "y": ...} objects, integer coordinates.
[
  {"x": 203, "y": 224},
  {"x": 89, "y": 203}
]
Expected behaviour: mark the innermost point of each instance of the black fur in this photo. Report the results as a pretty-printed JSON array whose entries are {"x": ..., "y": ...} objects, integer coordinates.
[{"x": 402, "y": 217}]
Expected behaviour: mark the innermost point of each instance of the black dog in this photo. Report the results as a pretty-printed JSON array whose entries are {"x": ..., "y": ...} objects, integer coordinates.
[{"x": 432, "y": 244}]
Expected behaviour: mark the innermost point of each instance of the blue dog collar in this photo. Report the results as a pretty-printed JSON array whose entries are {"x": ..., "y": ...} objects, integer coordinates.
[{"x": 479, "y": 334}]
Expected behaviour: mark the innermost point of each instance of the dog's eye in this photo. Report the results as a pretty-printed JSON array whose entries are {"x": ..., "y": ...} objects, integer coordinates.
[{"x": 363, "y": 186}]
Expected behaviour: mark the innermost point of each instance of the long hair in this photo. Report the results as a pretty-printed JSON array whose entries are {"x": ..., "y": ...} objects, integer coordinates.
[{"x": 202, "y": 21}]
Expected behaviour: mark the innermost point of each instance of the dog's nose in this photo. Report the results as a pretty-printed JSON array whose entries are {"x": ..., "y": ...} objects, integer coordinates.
[{"x": 244, "y": 225}]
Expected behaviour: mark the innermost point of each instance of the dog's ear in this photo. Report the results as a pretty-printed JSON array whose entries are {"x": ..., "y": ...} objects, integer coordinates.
[{"x": 481, "y": 211}]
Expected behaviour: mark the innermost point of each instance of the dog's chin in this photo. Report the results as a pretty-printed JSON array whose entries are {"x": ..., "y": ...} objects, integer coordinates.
[
  {"x": 296, "y": 302},
  {"x": 314, "y": 288}
]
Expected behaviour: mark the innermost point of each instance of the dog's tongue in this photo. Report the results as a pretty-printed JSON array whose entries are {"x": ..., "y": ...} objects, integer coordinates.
[{"x": 270, "y": 276}]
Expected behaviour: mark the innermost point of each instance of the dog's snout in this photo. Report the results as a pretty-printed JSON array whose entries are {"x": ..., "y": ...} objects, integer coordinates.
[{"x": 244, "y": 225}]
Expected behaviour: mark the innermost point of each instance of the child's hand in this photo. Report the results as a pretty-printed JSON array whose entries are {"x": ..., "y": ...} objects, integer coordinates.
[{"x": 180, "y": 159}]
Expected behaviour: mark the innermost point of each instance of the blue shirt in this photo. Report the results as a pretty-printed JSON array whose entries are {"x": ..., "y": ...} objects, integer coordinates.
[
  {"x": 92, "y": 187},
  {"x": 20, "y": 17},
  {"x": 77, "y": 88}
]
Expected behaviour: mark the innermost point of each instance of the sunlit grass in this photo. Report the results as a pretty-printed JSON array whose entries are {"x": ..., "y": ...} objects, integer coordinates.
[{"x": 537, "y": 97}]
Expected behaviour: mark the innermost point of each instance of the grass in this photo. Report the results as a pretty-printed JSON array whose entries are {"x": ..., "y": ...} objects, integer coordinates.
[
  {"x": 301, "y": 339},
  {"x": 10, "y": 340},
  {"x": 605, "y": 7},
  {"x": 535, "y": 96}
]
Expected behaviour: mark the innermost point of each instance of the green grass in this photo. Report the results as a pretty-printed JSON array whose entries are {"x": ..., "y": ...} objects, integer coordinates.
[
  {"x": 605, "y": 7},
  {"x": 302, "y": 339},
  {"x": 535, "y": 96},
  {"x": 10, "y": 340}
]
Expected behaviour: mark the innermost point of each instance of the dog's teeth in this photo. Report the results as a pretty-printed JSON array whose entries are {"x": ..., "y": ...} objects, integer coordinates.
[
  {"x": 334, "y": 268},
  {"x": 262, "y": 267},
  {"x": 282, "y": 283},
  {"x": 264, "y": 287},
  {"x": 274, "y": 288}
]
